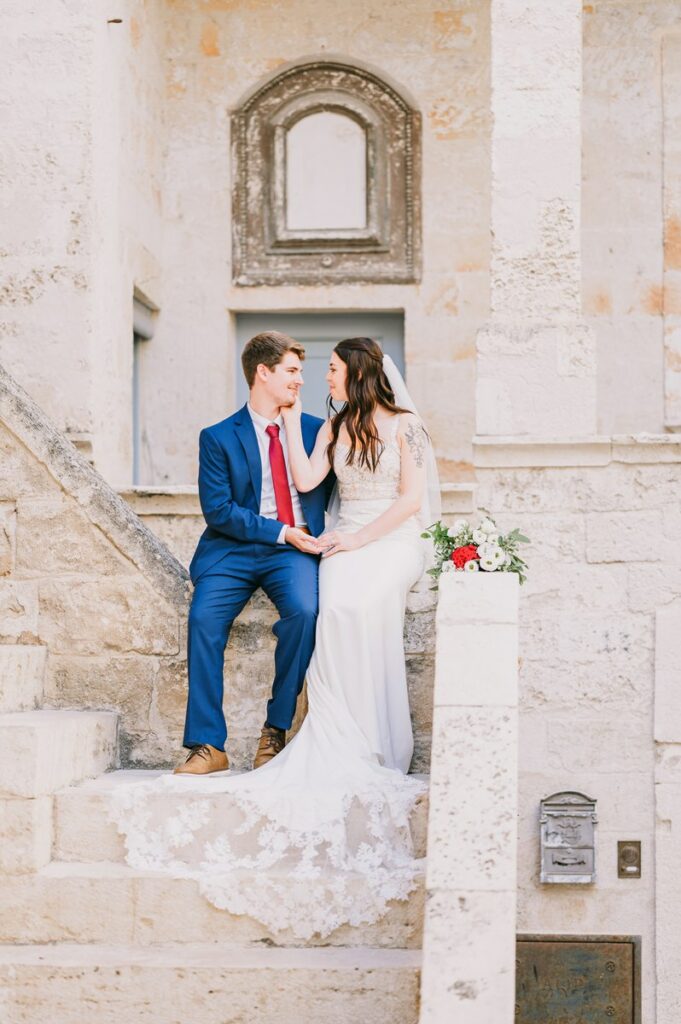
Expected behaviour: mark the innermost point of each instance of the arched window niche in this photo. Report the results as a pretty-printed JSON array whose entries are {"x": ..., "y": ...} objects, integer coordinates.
[{"x": 325, "y": 159}]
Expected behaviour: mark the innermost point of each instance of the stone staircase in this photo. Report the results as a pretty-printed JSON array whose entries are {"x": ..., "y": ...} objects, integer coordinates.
[{"x": 80, "y": 928}]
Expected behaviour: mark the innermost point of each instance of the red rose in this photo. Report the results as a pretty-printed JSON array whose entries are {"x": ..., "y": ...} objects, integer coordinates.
[{"x": 462, "y": 555}]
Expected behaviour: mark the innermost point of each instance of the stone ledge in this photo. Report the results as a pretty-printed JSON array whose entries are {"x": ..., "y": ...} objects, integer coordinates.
[
  {"x": 112, "y": 903},
  {"x": 214, "y": 955},
  {"x": 183, "y": 500},
  {"x": 42, "y": 751},
  {"x": 596, "y": 450},
  {"x": 192, "y": 981}
]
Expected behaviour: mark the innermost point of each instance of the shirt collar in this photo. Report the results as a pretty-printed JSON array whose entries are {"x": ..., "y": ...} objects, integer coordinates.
[{"x": 261, "y": 421}]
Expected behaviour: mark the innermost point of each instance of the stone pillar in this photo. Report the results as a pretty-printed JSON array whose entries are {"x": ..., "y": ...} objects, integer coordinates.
[
  {"x": 671, "y": 169},
  {"x": 468, "y": 971},
  {"x": 536, "y": 357},
  {"x": 667, "y": 810}
]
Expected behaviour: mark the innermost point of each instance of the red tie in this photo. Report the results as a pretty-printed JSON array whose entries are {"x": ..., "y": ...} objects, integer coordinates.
[{"x": 282, "y": 491}]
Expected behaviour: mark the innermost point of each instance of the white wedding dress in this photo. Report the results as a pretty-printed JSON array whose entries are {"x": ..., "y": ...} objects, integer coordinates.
[{"x": 319, "y": 836}]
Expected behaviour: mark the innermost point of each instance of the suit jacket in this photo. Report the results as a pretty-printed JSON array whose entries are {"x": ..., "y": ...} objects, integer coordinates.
[{"x": 230, "y": 482}]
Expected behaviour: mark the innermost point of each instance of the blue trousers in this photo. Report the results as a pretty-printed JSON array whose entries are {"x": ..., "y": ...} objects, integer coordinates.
[{"x": 290, "y": 579}]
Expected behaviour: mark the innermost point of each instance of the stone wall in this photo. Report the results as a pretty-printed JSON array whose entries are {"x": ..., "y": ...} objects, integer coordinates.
[
  {"x": 631, "y": 103},
  {"x": 604, "y": 522}
]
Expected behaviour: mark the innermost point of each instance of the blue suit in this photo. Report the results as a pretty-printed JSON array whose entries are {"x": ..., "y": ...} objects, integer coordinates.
[{"x": 237, "y": 553}]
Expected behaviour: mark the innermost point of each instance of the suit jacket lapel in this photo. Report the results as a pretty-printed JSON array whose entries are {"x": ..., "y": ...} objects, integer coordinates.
[{"x": 245, "y": 431}]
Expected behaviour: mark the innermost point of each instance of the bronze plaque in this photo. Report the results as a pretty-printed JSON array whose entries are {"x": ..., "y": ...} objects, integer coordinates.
[{"x": 574, "y": 979}]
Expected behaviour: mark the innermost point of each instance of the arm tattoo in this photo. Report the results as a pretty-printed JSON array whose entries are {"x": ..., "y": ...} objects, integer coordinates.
[{"x": 415, "y": 438}]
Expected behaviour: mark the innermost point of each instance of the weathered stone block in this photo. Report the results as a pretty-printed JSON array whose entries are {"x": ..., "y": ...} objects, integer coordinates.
[
  {"x": 18, "y": 611},
  {"x": 8, "y": 522},
  {"x": 477, "y": 599},
  {"x": 576, "y": 743},
  {"x": 472, "y": 822},
  {"x": 586, "y": 638},
  {"x": 89, "y": 616},
  {"x": 174, "y": 907},
  {"x": 19, "y": 475},
  {"x": 624, "y": 536},
  {"x": 41, "y": 751},
  {"x": 576, "y": 587},
  {"x": 420, "y": 681},
  {"x": 25, "y": 834},
  {"x": 59, "y": 905},
  {"x": 668, "y": 893},
  {"x": 468, "y": 957},
  {"x": 169, "y": 982},
  {"x": 54, "y": 536},
  {"x": 667, "y": 705},
  {"x": 22, "y": 668},
  {"x": 477, "y": 665},
  {"x": 419, "y": 632}
]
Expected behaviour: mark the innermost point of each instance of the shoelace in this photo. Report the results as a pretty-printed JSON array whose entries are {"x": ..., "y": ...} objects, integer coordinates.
[
  {"x": 200, "y": 751},
  {"x": 275, "y": 738}
]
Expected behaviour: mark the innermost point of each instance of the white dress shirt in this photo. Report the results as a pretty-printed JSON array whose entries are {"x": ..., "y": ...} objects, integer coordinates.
[{"x": 268, "y": 501}]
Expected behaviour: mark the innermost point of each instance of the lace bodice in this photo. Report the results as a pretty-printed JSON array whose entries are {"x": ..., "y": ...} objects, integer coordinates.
[{"x": 360, "y": 483}]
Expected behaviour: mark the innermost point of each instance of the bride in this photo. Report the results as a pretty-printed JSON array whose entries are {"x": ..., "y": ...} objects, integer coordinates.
[{"x": 319, "y": 836}]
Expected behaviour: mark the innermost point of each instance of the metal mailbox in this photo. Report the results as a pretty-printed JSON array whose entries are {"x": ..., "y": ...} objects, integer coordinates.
[{"x": 568, "y": 839}]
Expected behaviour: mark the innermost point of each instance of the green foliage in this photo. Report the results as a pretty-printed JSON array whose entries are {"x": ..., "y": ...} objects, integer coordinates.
[{"x": 445, "y": 541}]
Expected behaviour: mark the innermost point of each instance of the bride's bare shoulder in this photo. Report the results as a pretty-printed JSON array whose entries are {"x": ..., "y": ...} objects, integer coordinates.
[{"x": 409, "y": 423}]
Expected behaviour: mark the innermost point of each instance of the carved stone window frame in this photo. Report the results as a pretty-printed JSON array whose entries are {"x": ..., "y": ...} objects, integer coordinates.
[{"x": 265, "y": 250}]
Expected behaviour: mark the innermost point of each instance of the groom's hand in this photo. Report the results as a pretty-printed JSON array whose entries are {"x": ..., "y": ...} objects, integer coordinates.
[{"x": 302, "y": 540}]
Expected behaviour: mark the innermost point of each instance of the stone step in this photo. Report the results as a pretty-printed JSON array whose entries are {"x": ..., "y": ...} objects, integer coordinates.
[
  {"x": 178, "y": 984},
  {"x": 22, "y": 671},
  {"x": 113, "y": 903},
  {"x": 42, "y": 751},
  {"x": 83, "y": 832}
]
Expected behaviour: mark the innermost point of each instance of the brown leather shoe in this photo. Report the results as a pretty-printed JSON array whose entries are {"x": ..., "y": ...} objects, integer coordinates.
[
  {"x": 272, "y": 742},
  {"x": 203, "y": 760}
]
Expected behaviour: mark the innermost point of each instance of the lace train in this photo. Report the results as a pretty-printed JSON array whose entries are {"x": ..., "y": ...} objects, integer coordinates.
[{"x": 310, "y": 861}]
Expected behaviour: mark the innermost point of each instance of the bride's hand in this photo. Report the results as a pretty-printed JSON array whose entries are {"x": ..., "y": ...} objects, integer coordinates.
[
  {"x": 334, "y": 542},
  {"x": 290, "y": 413}
]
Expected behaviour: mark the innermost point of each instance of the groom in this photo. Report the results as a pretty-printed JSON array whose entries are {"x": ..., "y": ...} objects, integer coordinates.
[{"x": 260, "y": 533}]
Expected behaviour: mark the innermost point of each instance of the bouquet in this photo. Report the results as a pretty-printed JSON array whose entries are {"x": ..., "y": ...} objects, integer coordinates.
[{"x": 461, "y": 548}]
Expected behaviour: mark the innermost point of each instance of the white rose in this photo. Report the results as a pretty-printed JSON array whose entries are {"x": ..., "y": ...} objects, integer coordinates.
[
  {"x": 492, "y": 538},
  {"x": 458, "y": 526},
  {"x": 471, "y": 565},
  {"x": 489, "y": 564},
  {"x": 479, "y": 537},
  {"x": 447, "y": 566},
  {"x": 487, "y": 526},
  {"x": 488, "y": 550}
]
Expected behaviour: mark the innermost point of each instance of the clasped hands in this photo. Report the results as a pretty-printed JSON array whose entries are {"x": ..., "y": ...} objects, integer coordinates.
[{"x": 327, "y": 545}]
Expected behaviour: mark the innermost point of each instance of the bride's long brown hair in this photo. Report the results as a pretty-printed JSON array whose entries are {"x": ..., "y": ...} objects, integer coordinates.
[{"x": 366, "y": 386}]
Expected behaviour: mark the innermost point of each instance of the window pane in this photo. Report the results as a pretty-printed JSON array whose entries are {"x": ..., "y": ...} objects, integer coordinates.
[{"x": 325, "y": 173}]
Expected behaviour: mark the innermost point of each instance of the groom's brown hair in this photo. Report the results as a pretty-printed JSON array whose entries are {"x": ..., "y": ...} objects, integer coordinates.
[{"x": 268, "y": 348}]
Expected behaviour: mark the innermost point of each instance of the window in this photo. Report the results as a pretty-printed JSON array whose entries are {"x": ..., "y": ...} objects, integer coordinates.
[{"x": 326, "y": 162}]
